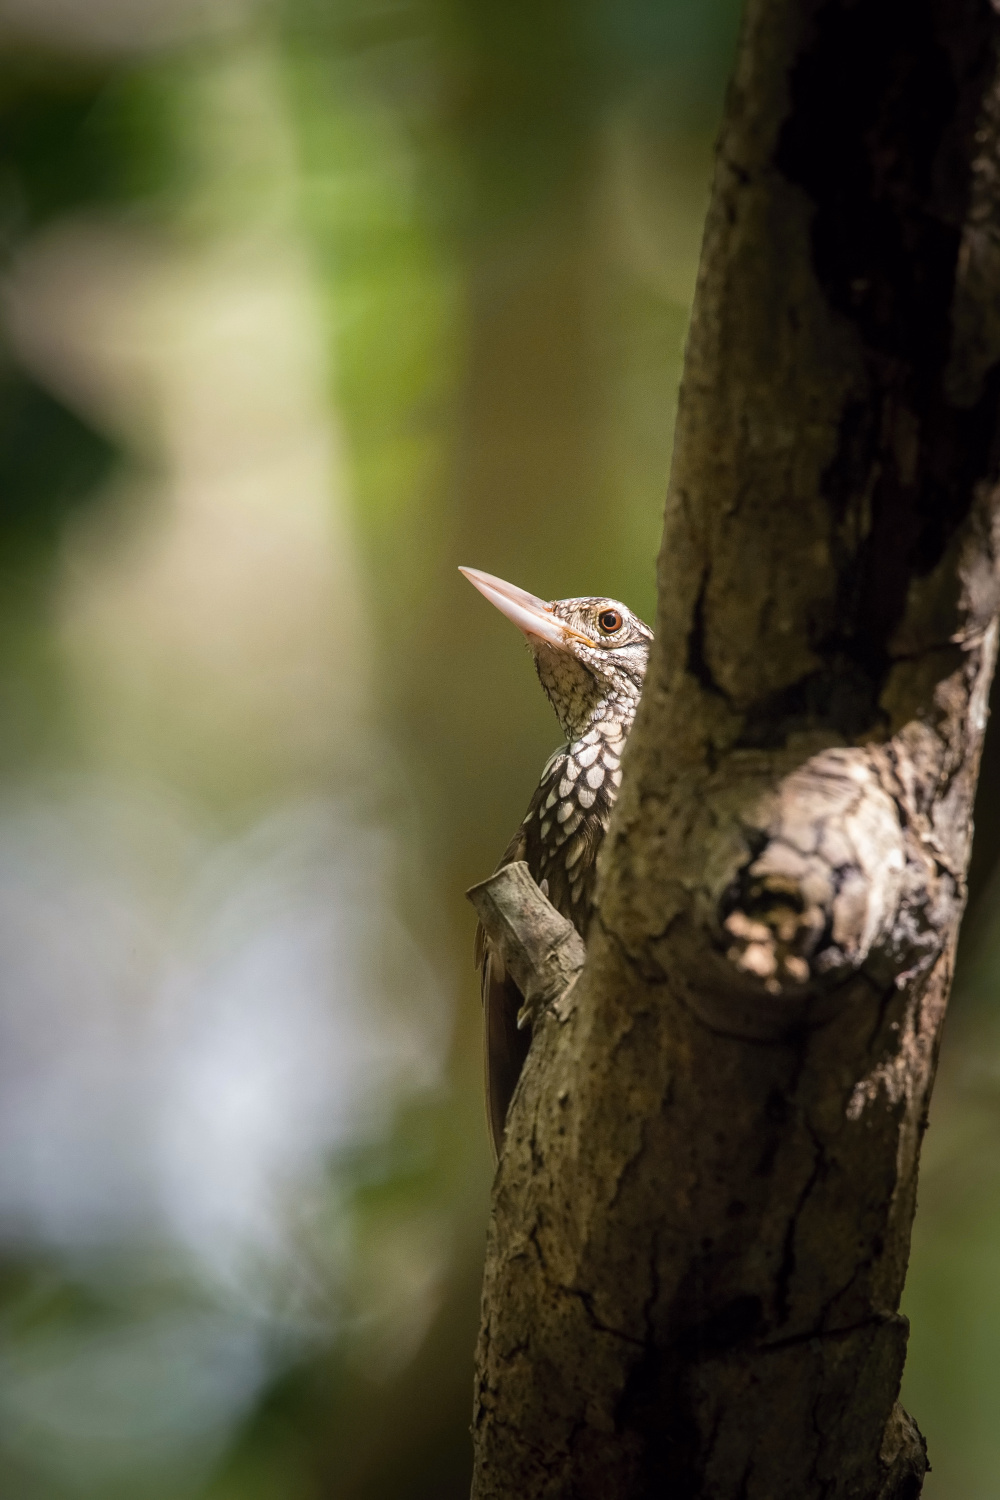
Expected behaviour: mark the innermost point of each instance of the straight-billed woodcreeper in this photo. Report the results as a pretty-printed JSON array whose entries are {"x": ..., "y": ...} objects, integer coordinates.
[{"x": 591, "y": 656}]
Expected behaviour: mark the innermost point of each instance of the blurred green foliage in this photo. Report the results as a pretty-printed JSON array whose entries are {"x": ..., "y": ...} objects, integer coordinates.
[{"x": 501, "y": 208}]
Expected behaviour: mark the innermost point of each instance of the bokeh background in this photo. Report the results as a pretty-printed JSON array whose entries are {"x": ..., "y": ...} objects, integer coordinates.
[{"x": 303, "y": 304}]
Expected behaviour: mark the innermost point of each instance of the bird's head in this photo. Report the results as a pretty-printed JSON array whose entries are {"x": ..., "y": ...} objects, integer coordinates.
[{"x": 590, "y": 653}]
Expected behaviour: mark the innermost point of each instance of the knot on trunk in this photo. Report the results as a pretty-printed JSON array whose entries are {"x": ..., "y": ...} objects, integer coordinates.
[
  {"x": 826, "y": 877},
  {"x": 835, "y": 880}
]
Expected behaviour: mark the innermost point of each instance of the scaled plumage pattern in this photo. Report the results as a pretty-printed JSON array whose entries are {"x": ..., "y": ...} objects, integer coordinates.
[{"x": 591, "y": 656}]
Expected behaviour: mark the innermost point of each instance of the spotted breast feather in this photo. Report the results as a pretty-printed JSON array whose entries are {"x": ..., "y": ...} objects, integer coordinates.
[
  {"x": 591, "y": 655},
  {"x": 558, "y": 839}
]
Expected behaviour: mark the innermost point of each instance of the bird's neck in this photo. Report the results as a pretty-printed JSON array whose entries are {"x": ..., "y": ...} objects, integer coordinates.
[{"x": 610, "y": 718}]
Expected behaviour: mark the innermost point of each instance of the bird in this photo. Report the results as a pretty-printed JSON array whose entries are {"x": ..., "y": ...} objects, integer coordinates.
[{"x": 591, "y": 655}]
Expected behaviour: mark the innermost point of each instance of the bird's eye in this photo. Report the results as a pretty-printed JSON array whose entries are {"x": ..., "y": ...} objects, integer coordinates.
[{"x": 609, "y": 621}]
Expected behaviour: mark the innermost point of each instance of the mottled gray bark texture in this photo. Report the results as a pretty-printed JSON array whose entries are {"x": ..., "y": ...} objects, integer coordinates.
[{"x": 702, "y": 1213}]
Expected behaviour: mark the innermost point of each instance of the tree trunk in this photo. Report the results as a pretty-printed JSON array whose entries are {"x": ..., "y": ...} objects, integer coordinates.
[{"x": 702, "y": 1215}]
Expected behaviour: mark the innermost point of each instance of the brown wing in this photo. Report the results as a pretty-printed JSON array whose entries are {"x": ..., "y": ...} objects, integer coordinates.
[{"x": 504, "y": 1047}]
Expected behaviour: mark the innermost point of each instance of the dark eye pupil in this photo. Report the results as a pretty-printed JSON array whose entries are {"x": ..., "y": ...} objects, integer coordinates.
[{"x": 609, "y": 619}]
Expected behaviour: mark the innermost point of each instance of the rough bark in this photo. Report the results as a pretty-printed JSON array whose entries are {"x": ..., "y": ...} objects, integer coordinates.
[{"x": 702, "y": 1213}]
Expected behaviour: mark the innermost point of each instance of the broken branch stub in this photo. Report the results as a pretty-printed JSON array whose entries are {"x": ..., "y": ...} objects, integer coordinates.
[{"x": 541, "y": 950}]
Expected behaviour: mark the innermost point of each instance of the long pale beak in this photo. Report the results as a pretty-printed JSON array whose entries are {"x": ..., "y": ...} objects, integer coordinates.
[{"x": 529, "y": 614}]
